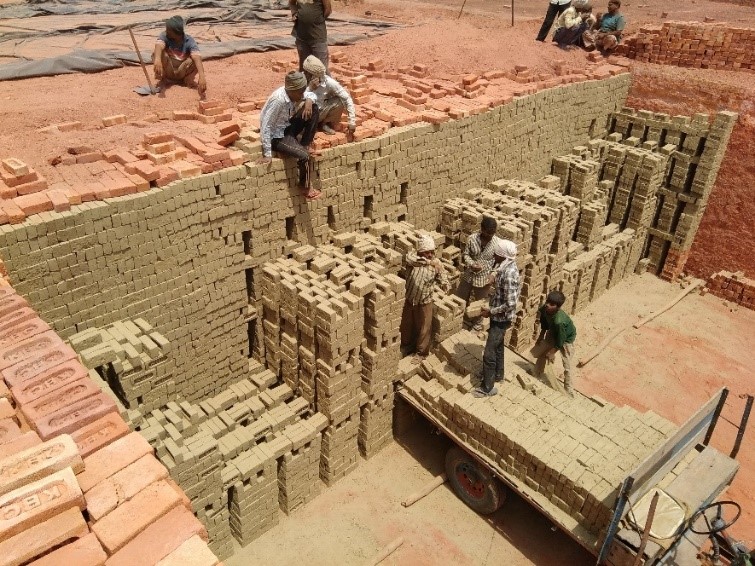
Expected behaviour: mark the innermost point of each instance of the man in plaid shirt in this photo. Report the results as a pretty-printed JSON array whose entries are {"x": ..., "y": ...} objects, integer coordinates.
[
  {"x": 417, "y": 318},
  {"x": 501, "y": 311},
  {"x": 478, "y": 263}
]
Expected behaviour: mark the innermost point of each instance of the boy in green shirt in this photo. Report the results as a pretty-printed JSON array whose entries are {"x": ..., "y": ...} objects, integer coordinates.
[{"x": 557, "y": 334}]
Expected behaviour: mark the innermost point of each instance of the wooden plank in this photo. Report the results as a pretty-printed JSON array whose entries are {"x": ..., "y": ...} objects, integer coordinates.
[
  {"x": 703, "y": 480},
  {"x": 659, "y": 463}
]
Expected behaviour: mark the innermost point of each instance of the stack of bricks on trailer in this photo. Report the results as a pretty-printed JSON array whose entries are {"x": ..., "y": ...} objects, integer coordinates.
[
  {"x": 76, "y": 485},
  {"x": 693, "y": 44},
  {"x": 578, "y": 470}
]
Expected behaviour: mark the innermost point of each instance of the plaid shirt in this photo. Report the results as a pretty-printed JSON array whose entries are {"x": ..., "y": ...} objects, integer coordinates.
[
  {"x": 422, "y": 280},
  {"x": 504, "y": 299},
  {"x": 473, "y": 253},
  {"x": 276, "y": 116}
]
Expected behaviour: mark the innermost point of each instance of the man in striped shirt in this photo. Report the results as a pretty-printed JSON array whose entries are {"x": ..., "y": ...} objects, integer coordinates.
[
  {"x": 417, "y": 318},
  {"x": 502, "y": 310},
  {"x": 478, "y": 263}
]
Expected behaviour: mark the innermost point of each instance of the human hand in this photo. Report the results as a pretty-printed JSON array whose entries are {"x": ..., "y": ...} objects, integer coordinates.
[
  {"x": 158, "y": 71},
  {"x": 551, "y": 356},
  {"x": 306, "y": 113},
  {"x": 350, "y": 132},
  {"x": 485, "y": 312},
  {"x": 264, "y": 160},
  {"x": 476, "y": 267},
  {"x": 202, "y": 86}
]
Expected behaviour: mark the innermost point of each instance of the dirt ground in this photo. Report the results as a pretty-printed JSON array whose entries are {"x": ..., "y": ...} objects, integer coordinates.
[{"x": 671, "y": 366}]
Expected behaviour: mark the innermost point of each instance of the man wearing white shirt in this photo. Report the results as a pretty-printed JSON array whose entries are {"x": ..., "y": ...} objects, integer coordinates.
[
  {"x": 555, "y": 8},
  {"x": 332, "y": 98},
  {"x": 288, "y": 123}
]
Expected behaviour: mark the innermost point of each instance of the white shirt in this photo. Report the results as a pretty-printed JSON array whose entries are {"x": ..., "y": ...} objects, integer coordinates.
[
  {"x": 330, "y": 88},
  {"x": 276, "y": 116}
]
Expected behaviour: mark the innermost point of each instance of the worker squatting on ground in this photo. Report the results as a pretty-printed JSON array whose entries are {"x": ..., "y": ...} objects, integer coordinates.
[
  {"x": 177, "y": 58},
  {"x": 607, "y": 32},
  {"x": 477, "y": 261},
  {"x": 288, "y": 123},
  {"x": 557, "y": 334},
  {"x": 573, "y": 23},
  {"x": 425, "y": 275},
  {"x": 332, "y": 98},
  {"x": 501, "y": 310},
  {"x": 310, "y": 31}
]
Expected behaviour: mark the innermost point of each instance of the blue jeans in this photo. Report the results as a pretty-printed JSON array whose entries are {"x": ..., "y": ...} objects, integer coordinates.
[{"x": 492, "y": 359}]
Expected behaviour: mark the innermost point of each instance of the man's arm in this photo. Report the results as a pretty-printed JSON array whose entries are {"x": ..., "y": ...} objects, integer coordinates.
[
  {"x": 327, "y": 9},
  {"x": 345, "y": 97},
  {"x": 267, "y": 120},
  {"x": 470, "y": 251},
  {"x": 294, "y": 7},
  {"x": 157, "y": 60},
  {"x": 201, "y": 81}
]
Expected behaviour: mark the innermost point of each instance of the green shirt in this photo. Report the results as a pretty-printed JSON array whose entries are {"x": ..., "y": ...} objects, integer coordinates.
[{"x": 560, "y": 325}]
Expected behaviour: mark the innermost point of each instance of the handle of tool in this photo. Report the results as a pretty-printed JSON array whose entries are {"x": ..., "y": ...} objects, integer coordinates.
[
  {"x": 141, "y": 61},
  {"x": 386, "y": 551},
  {"x": 414, "y": 497}
]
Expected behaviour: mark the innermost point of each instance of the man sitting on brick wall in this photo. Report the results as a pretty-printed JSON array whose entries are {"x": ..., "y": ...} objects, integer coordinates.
[
  {"x": 417, "y": 319},
  {"x": 478, "y": 263},
  {"x": 557, "y": 334},
  {"x": 176, "y": 57},
  {"x": 610, "y": 26},
  {"x": 288, "y": 123},
  {"x": 501, "y": 310},
  {"x": 332, "y": 98}
]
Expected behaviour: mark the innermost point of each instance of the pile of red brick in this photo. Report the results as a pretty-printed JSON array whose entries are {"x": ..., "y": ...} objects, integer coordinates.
[
  {"x": 76, "y": 485},
  {"x": 734, "y": 287},
  {"x": 690, "y": 44}
]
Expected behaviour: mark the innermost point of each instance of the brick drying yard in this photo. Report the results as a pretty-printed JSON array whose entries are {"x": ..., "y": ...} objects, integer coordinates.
[{"x": 199, "y": 365}]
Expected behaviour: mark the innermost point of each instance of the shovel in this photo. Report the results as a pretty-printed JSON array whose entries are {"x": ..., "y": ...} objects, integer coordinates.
[{"x": 143, "y": 90}]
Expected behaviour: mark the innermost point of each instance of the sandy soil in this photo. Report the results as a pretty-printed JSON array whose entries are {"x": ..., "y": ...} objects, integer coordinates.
[{"x": 671, "y": 366}]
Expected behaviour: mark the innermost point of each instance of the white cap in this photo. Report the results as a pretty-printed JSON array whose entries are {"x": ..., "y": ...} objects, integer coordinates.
[
  {"x": 425, "y": 244},
  {"x": 505, "y": 248}
]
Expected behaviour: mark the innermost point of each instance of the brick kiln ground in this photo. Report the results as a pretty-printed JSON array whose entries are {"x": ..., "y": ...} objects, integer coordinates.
[{"x": 93, "y": 153}]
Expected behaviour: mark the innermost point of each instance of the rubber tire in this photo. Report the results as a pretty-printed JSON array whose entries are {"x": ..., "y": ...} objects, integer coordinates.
[{"x": 474, "y": 483}]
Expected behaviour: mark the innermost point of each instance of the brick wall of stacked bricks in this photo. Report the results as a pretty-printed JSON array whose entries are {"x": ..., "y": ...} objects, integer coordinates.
[
  {"x": 570, "y": 454},
  {"x": 185, "y": 258},
  {"x": 77, "y": 486},
  {"x": 692, "y": 44},
  {"x": 734, "y": 287},
  {"x": 656, "y": 173}
]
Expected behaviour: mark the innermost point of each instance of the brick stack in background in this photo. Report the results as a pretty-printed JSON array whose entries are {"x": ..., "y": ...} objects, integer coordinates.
[
  {"x": 693, "y": 44},
  {"x": 734, "y": 287}
]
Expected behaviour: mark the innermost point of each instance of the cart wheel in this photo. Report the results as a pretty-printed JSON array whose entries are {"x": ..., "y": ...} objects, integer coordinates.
[{"x": 473, "y": 483}]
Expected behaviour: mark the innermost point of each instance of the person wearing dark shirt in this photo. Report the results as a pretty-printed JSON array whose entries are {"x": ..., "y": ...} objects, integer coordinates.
[
  {"x": 310, "y": 31},
  {"x": 176, "y": 58},
  {"x": 557, "y": 334}
]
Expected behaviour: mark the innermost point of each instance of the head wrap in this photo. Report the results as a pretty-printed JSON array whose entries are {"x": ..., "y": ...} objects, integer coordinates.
[
  {"x": 175, "y": 24},
  {"x": 295, "y": 80},
  {"x": 582, "y": 5},
  {"x": 505, "y": 248},
  {"x": 314, "y": 66},
  {"x": 425, "y": 244}
]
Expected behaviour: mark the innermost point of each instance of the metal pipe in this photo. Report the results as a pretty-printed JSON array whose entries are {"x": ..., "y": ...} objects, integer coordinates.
[
  {"x": 716, "y": 414},
  {"x": 742, "y": 427}
]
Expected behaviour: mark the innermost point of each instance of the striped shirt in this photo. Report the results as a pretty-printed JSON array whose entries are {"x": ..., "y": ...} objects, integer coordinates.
[
  {"x": 422, "y": 279},
  {"x": 474, "y": 253},
  {"x": 276, "y": 116},
  {"x": 503, "y": 300}
]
